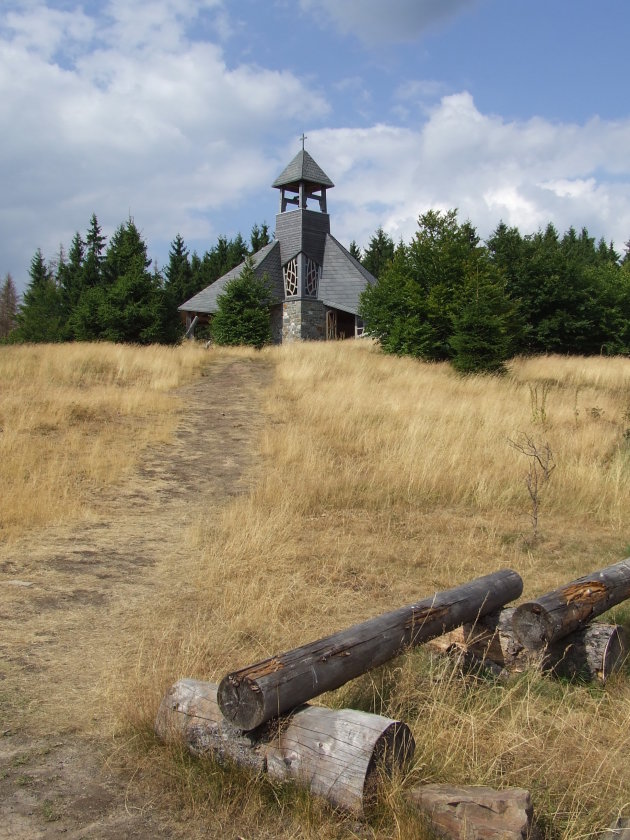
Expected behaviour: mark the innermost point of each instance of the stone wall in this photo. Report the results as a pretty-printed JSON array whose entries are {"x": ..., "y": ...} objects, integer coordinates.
[{"x": 303, "y": 320}]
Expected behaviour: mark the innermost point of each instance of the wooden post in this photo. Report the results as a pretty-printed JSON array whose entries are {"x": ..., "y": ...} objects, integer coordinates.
[
  {"x": 590, "y": 653},
  {"x": 337, "y": 754},
  {"x": 554, "y": 615},
  {"x": 253, "y": 695}
]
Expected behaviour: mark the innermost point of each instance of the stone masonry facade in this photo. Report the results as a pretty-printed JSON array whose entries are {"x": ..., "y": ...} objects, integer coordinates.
[{"x": 303, "y": 320}]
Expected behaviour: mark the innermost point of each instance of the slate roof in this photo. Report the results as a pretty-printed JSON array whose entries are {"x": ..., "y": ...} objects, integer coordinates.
[
  {"x": 343, "y": 278},
  {"x": 302, "y": 168},
  {"x": 342, "y": 281},
  {"x": 265, "y": 260}
]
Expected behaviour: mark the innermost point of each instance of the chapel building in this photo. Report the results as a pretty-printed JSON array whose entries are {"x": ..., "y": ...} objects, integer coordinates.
[{"x": 315, "y": 281}]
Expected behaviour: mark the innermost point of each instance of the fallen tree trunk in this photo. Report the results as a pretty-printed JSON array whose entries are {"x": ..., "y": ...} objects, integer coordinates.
[
  {"x": 591, "y": 653},
  {"x": 554, "y": 615},
  {"x": 337, "y": 754},
  {"x": 253, "y": 695}
]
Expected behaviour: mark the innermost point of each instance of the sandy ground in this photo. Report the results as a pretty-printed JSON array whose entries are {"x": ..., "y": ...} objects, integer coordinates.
[{"x": 68, "y": 599}]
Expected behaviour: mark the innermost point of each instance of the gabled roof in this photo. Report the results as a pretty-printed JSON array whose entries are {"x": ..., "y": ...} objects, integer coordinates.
[
  {"x": 302, "y": 168},
  {"x": 342, "y": 281},
  {"x": 343, "y": 278},
  {"x": 266, "y": 260}
]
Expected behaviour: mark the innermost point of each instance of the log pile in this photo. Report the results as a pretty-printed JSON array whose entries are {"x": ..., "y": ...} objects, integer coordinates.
[
  {"x": 257, "y": 717},
  {"x": 591, "y": 653}
]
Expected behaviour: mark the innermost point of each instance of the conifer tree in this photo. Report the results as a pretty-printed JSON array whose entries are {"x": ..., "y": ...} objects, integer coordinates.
[
  {"x": 8, "y": 307},
  {"x": 259, "y": 237},
  {"x": 39, "y": 318},
  {"x": 355, "y": 251},
  {"x": 243, "y": 315},
  {"x": 379, "y": 253}
]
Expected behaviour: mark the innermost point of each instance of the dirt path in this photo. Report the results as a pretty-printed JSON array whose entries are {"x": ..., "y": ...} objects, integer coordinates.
[{"x": 68, "y": 600}]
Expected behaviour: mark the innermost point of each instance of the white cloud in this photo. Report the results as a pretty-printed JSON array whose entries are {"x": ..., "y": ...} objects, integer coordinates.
[
  {"x": 148, "y": 123},
  {"x": 526, "y": 173},
  {"x": 376, "y": 21}
]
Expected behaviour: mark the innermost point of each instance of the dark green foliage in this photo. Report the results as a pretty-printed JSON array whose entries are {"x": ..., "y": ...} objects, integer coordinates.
[
  {"x": 441, "y": 299},
  {"x": 379, "y": 253},
  {"x": 569, "y": 290},
  {"x": 243, "y": 315},
  {"x": 70, "y": 281},
  {"x": 355, "y": 251},
  {"x": 39, "y": 318},
  {"x": 8, "y": 307},
  {"x": 132, "y": 294},
  {"x": 484, "y": 324},
  {"x": 94, "y": 243},
  {"x": 178, "y": 287},
  {"x": 259, "y": 237}
]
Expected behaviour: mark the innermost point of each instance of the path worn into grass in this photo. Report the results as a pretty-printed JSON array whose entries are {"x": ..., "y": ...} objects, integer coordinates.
[{"x": 68, "y": 598}]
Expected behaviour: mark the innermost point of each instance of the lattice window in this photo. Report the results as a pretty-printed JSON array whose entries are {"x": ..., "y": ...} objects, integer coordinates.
[
  {"x": 313, "y": 272},
  {"x": 290, "y": 272}
]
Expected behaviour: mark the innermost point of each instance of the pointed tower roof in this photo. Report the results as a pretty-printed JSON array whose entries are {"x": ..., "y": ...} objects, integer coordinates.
[{"x": 302, "y": 169}]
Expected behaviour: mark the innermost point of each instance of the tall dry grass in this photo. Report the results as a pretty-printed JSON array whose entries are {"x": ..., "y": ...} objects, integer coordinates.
[
  {"x": 382, "y": 480},
  {"x": 74, "y": 418}
]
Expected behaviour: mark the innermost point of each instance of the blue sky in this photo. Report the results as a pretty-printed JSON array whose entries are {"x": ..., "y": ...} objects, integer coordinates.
[{"x": 182, "y": 113}]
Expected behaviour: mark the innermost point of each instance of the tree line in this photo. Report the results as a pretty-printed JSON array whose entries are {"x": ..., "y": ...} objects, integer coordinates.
[
  {"x": 445, "y": 295},
  {"x": 101, "y": 290}
]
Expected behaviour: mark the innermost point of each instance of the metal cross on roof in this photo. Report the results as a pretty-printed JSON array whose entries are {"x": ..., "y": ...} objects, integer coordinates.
[{"x": 303, "y": 138}]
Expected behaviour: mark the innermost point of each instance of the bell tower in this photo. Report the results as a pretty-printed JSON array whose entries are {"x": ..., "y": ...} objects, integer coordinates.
[{"x": 301, "y": 231}]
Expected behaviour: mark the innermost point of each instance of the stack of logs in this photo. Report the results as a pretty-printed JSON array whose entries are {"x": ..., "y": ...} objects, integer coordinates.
[{"x": 257, "y": 717}]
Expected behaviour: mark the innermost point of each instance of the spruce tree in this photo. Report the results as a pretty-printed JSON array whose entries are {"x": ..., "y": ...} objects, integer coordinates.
[
  {"x": 178, "y": 287},
  {"x": 39, "y": 318},
  {"x": 259, "y": 237},
  {"x": 355, "y": 251},
  {"x": 379, "y": 253},
  {"x": 244, "y": 307},
  {"x": 484, "y": 321},
  {"x": 8, "y": 307}
]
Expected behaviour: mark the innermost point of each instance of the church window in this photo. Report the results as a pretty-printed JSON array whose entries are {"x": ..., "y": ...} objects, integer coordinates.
[
  {"x": 313, "y": 273},
  {"x": 290, "y": 272}
]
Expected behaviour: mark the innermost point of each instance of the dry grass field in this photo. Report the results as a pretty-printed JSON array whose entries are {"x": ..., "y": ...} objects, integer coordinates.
[
  {"x": 74, "y": 418},
  {"x": 378, "y": 481}
]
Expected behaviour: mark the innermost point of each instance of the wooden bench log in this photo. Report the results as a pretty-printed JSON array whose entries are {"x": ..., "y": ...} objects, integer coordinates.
[
  {"x": 591, "y": 653},
  {"x": 337, "y": 754},
  {"x": 554, "y": 615},
  {"x": 253, "y": 695}
]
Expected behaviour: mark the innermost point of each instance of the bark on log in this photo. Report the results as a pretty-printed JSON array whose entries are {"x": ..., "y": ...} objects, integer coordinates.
[
  {"x": 476, "y": 813},
  {"x": 253, "y": 695},
  {"x": 591, "y": 653},
  {"x": 554, "y": 615},
  {"x": 337, "y": 754}
]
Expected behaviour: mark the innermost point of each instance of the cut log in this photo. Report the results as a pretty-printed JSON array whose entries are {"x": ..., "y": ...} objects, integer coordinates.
[
  {"x": 490, "y": 639},
  {"x": 253, "y": 695},
  {"x": 554, "y": 615},
  {"x": 337, "y": 754},
  {"x": 619, "y": 830},
  {"x": 476, "y": 813},
  {"x": 591, "y": 653}
]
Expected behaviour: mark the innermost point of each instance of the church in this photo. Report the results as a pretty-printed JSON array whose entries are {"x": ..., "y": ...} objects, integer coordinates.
[{"x": 315, "y": 281}]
